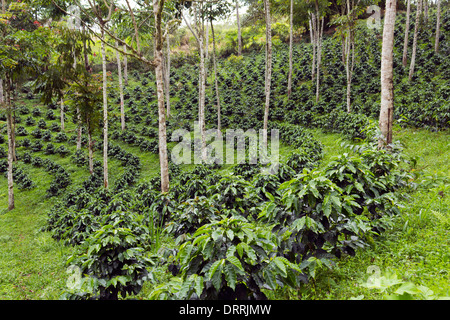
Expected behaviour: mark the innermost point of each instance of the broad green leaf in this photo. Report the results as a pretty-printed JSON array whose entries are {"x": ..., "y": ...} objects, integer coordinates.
[
  {"x": 200, "y": 239},
  {"x": 213, "y": 269},
  {"x": 230, "y": 234},
  {"x": 230, "y": 275},
  {"x": 336, "y": 201},
  {"x": 198, "y": 285},
  {"x": 216, "y": 273},
  {"x": 235, "y": 261},
  {"x": 240, "y": 249},
  {"x": 270, "y": 278},
  {"x": 281, "y": 266}
]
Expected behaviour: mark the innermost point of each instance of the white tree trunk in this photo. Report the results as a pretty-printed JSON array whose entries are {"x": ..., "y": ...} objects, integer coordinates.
[
  {"x": 1, "y": 91},
  {"x": 158, "y": 52},
  {"x": 349, "y": 51},
  {"x": 199, "y": 36},
  {"x": 91, "y": 152},
  {"x": 425, "y": 9},
  {"x": 216, "y": 83},
  {"x": 105, "y": 115},
  {"x": 405, "y": 43},
  {"x": 387, "y": 84},
  {"x": 268, "y": 75},
  {"x": 9, "y": 130},
  {"x": 125, "y": 66},
  {"x": 122, "y": 106},
  {"x": 312, "y": 32},
  {"x": 414, "y": 49},
  {"x": 78, "y": 129},
  {"x": 238, "y": 20},
  {"x": 347, "y": 68},
  {"x": 438, "y": 26},
  {"x": 167, "y": 78},
  {"x": 319, "y": 56},
  {"x": 202, "y": 88},
  {"x": 62, "y": 115},
  {"x": 291, "y": 42}
]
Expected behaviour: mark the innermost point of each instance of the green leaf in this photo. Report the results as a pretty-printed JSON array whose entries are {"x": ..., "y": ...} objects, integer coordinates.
[
  {"x": 270, "y": 278},
  {"x": 215, "y": 273},
  {"x": 230, "y": 234},
  {"x": 198, "y": 285},
  {"x": 299, "y": 224},
  {"x": 230, "y": 275},
  {"x": 200, "y": 239},
  {"x": 216, "y": 234},
  {"x": 240, "y": 249},
  {"x": 212, "y": 270},
  {"x": 280, "y": 265},
  {"x": 185, "y": 252},
  {"x": 235, "y": 261},
  {"x": 336, "y": 201}
]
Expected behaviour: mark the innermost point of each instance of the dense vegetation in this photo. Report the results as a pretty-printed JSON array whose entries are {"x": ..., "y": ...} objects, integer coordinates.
[{"x": 230, "y": 231}]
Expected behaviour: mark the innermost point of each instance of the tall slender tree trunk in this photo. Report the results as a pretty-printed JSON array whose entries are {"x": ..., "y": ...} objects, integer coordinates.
[
  {"x": 163, "y": 158},
  {"x": 312, "y": 32},
  {"x": 13, "y": 95},
  {"x": 86, "y": 66},
  {"x": 347, "y": 68},
  {"x": 78, "y": 129},
  {"x": 414, "y": 49},
  {"x": 105, "y": 114},
  {"x": 199, "y": 36},
  {"x": 238, "y": 20},
  {"x": 216, "y": 82},
  {"x": 349, "y": 51},
  {"x": 387, "y": 84},
  {"x": 90, "y": 148},
  {"x": 425, "y": 11},
  {"x": 125, "y": 66},
  {"x": 438, "y": 26},
  {"x": 62, "y": 115},
  {"x": 167, "y": 78},
  {"x": 202, "y": 88},
  {"x": 319, "y": 56},
  {"x": 291, "y": 42},
  {"x": 86, "y": 58},
  {"x": 2, "y": 97},
  {"x": 119, "y": 71},
  {"x": 9, "y": 130},
  {"x": 268, "y": 75},
  {"x": 405, "y": 43}
]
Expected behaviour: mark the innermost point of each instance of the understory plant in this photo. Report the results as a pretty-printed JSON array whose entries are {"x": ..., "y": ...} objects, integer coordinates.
[{"x": 229, "y": 259}]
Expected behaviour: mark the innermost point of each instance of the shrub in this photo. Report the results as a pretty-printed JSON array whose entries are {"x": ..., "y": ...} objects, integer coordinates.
[
  {"x": 41, "y": 124},
  {"x": 50, "y": 149},
  {"x": 21, "y": 131},
  {"x": 229, "y": 259},
  {"x": 60, "y": 137},
  {"x": 62, "y": 150},
  {"x": 36, "y": 146},
  {"x": 114, "y": 262}
]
